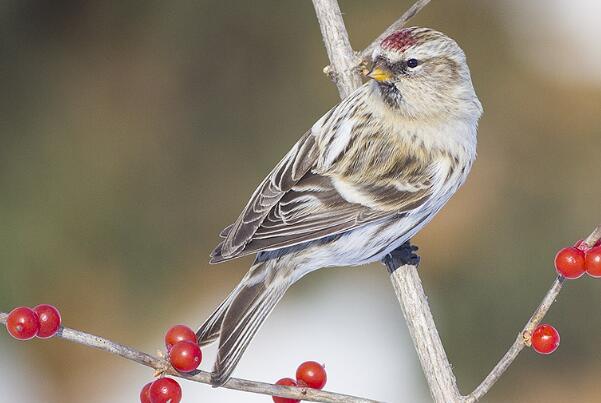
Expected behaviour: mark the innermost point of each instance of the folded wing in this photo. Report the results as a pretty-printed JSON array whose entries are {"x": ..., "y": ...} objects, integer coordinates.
[{"x": 314, "y": 208}]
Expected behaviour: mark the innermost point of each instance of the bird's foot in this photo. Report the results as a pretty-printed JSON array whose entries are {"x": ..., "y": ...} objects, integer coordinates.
[{"x": 401, "y": 256}]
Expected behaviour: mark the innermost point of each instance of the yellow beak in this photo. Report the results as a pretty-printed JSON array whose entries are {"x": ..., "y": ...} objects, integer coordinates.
[{"x": 379, "y": 74}]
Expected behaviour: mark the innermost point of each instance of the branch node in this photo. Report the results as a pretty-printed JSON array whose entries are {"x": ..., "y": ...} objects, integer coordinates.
[
  {"x": 329, "y": 71},
  {"x": 527, "y": 338}
]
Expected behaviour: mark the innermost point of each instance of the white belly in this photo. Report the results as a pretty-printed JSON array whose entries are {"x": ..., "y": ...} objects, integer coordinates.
[{"x": 363, "y": 245}]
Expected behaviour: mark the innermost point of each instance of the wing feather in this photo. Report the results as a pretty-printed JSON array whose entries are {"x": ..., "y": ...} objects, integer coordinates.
[
  {"x": 281, "y": 179},
  {"x": 314, "y": 208}
]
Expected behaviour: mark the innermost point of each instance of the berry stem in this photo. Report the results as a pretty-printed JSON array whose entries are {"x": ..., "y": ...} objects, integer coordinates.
[
  {"x": 524, "y": 337},
  {"x": 592, "y": 239},
  {"x": 160, "y": 364}
]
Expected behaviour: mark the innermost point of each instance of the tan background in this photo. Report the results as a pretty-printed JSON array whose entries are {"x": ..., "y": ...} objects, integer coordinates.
[{"x": 131, "y": 132}]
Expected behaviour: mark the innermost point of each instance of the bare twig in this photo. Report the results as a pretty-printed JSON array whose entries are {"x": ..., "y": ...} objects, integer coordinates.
[
  {"x": 398, "y": 24},
  {"x": 523, "y": 339},
  {"x": 343, "y": 63},
  {"x": 163, "y": 367},
  {"x": 441, "y": 380},
  {"x": 592, "y": 239},
  {"x": 518, "y": 344}
]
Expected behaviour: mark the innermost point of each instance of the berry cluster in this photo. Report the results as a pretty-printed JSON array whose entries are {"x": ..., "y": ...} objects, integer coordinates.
[
  {"x": 24, "y": 323},
  {"x": 182, "y": 347},
  {"x": 572, "y": 262},
  {"x": 184, "y": 355},
  {"x": 309, "y": 374}
]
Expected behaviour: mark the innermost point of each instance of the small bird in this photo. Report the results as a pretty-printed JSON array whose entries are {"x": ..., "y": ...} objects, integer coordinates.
[{"x": 357, "y": 186}]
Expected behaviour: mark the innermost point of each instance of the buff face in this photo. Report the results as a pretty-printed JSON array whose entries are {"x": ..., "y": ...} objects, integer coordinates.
[{"x": 424, "y": 74}]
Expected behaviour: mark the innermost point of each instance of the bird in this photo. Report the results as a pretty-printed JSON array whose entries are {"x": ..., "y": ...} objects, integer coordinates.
[{"x": 356, "y": 187}]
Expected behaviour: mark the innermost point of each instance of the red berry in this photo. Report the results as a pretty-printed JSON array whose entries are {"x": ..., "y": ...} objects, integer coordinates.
[
  {"x": 165, "y": 390},
  {"x": 285, "y": 382},
  {"x": 179, "y": 333},
  {"x": 569, "y": 262},
  {"x": 185, "y": 356},
  {"x": 144, "y": 393},
  {"x": 545, "y": 339},
  {"x": 592, "y": 261},
  {"x": 311, "y": 373},
  {"x": 22, "y": 323},
  {"x": 50, "y": 320}
]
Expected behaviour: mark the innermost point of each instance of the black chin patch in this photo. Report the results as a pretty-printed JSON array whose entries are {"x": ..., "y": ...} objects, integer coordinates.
[{"x": 391, "y": 94}]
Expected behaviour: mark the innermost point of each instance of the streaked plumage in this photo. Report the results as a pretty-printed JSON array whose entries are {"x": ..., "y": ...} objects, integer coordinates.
[{"x": 365, "y": 179}]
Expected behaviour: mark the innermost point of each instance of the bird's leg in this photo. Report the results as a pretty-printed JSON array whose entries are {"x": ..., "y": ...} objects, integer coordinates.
[{"x": 401, "y": 256}]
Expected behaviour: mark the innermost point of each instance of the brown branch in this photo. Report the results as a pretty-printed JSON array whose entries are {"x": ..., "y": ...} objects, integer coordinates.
[
  {"x": 523, "y": 338},
  {"x": 162, "y": 366}
]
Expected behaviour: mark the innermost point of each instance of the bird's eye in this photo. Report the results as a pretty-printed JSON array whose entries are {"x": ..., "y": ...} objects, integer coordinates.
[{"x": 412, "y": 63}]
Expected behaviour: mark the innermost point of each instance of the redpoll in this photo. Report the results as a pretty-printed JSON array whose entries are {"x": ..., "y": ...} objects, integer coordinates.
[{"x": 358, "y": 185}]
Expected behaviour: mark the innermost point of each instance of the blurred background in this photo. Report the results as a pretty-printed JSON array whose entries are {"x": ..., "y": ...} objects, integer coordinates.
[{"x": 132, "y": 132}]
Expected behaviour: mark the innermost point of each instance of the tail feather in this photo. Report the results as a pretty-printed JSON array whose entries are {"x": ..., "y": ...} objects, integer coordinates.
[
  {"x": 247, "y": 308},
  {"x": 209, "y": 331}
]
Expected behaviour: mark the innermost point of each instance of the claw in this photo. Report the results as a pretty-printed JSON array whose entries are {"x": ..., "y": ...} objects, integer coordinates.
[{"x": 401, "y": 256}]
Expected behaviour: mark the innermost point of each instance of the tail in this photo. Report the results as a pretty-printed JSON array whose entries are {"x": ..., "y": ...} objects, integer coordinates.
[{"x": 240, "y": 316}]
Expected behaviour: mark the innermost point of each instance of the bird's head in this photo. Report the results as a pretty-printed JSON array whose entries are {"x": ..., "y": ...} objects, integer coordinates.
[{"x": 423, "y": 73}]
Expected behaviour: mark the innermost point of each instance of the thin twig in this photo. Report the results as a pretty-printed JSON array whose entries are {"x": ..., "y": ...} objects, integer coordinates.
[
  {"x": 163, "y": 367},
  {"x": 398, "y": 24},
  {"x": 594, "y": 237},
  {"x": 518, "y": 344},
  {"x": 523, "y": 339}
]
